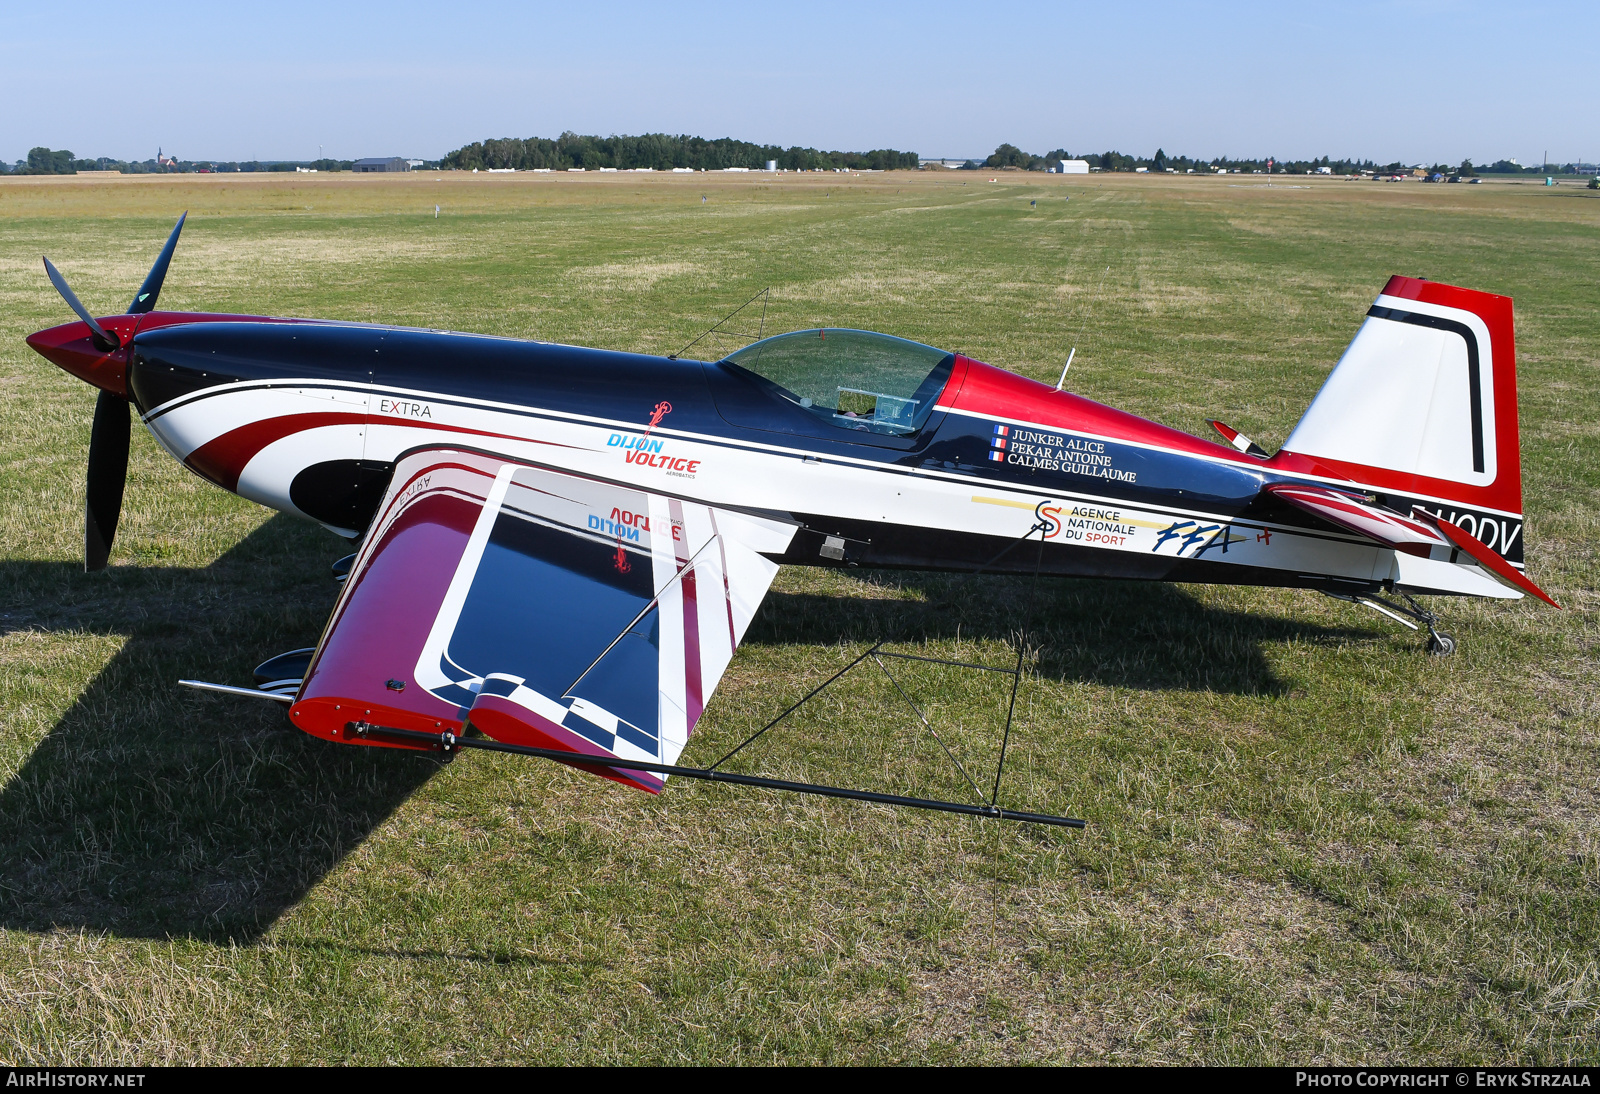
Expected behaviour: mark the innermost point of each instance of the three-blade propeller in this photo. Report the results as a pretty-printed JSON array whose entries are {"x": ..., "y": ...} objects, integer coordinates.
[
  {"x": 108, "y": 473},
  {"x": 104, "y": 340},
  {"x": 109, "y": 438},
  {"x": 145, "y": 299}
]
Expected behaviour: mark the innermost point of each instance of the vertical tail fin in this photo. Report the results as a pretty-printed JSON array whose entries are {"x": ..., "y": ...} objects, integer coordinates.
[{"x": 1422, "y": 410}]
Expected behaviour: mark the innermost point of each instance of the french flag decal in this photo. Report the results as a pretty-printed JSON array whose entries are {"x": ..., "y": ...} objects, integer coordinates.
[
  {"x": 1002, "y": 431},
  {"x": 997, "y": 456}
]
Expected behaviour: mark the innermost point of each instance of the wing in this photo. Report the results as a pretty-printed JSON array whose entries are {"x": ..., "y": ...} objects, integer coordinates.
[
  {"x": 1422, "y": 534},
  {"x": 546, "y": 608}
]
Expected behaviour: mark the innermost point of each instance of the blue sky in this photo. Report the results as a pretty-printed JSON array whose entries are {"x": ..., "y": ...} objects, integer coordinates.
[{"x": 1421, "y": 80}]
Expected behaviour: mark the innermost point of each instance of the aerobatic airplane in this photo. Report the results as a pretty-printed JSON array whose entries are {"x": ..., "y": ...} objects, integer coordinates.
[{"x": 563, "y": 546}]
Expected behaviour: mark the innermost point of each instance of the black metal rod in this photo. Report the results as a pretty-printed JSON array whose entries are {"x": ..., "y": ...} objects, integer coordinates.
[
  {"x": 724, "y": 319},
  {"x": 929, "y": 727},
  {"x": 1022, "y": 646},
  {"x": 447, "y": 741},
  {"x": 895, "y": 637},
  {"x": 942, "y": 661},
  {"x": 796, "y": 706},
  {"x": 1419, "y": 612}
]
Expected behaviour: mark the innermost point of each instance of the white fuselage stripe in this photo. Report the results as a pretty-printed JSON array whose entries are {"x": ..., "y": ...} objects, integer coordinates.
[{"x": 745, "y": 474}]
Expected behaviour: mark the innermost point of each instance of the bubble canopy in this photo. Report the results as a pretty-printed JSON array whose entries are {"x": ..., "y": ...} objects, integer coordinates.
[{"x": 853, "y": 379}]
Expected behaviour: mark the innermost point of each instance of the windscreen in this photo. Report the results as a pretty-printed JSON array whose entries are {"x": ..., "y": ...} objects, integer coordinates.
[{"x": 853, "y": 379}]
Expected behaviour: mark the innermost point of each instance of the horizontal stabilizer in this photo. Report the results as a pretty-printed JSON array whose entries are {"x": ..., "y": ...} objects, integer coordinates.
[
  {"x": 1485, "y": 556},
  {"x": 1421, "y": 534},
  {"x": 1353, "y": 513}
]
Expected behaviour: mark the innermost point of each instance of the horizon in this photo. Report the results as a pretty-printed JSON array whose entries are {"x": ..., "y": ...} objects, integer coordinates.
[{"x": 1485, "y": 163}]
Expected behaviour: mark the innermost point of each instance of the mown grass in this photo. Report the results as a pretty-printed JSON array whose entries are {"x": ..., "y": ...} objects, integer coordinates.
[{"x": 1307, "y": 842}]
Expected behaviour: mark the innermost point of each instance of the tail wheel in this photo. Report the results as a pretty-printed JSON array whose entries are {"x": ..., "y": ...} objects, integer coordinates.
[{"x": 1441, "y": 644}]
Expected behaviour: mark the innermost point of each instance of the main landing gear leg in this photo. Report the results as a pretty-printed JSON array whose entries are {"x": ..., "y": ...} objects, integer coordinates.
[{"x": 1439, "y": 644}]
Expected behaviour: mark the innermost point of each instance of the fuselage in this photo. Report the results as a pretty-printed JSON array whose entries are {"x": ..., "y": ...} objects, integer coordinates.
[{"x": 309, "y": 418}]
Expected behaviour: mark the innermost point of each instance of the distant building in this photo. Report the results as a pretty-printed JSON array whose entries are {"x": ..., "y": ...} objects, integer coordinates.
[
  {"x": 414, "y": 164},
  {"x": 772, "y": 165},
  {"x": 380, "y": 163},
  {"x": 1073, "y": 167}
]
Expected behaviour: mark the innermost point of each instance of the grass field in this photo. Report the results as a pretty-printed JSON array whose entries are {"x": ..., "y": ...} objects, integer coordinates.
[{"x": 1308, "y": 841}]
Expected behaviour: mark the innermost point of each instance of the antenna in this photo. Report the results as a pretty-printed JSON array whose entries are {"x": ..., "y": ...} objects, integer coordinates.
[
  {"x": 1062, "y": 382},
  {"x": 1085, "y": 326},
  {"x": 717, "y": 328}
]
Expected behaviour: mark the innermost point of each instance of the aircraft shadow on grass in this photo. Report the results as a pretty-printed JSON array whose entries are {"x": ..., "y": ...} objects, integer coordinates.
[
  {"x": 153, "y": 811},
  {"x": 1124, "y": 634}
]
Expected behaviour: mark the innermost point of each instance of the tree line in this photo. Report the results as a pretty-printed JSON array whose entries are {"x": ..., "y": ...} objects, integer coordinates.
[
  {"x": 661, "y": 152},
  {"x": 47, "y": 161},
  {"x": 1010, "y": 156}
]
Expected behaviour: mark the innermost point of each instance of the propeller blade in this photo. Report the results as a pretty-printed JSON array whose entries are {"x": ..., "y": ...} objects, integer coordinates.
[
  {"x": 108, "y": 473},
  {"x": 103, "y": 338},
  {"x": 145, "y": 299}
]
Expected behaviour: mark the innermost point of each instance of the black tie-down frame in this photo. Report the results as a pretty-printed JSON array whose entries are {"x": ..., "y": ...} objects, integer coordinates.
[{"x": 449, "y": 742}]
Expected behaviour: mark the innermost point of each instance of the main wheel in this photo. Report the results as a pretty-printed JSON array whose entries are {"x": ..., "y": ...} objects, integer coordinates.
[{"x": 1441, "y": 644}]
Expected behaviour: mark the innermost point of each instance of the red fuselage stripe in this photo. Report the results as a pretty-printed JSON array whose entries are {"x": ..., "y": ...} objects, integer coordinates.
[{"x": 223, "y": 459}]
